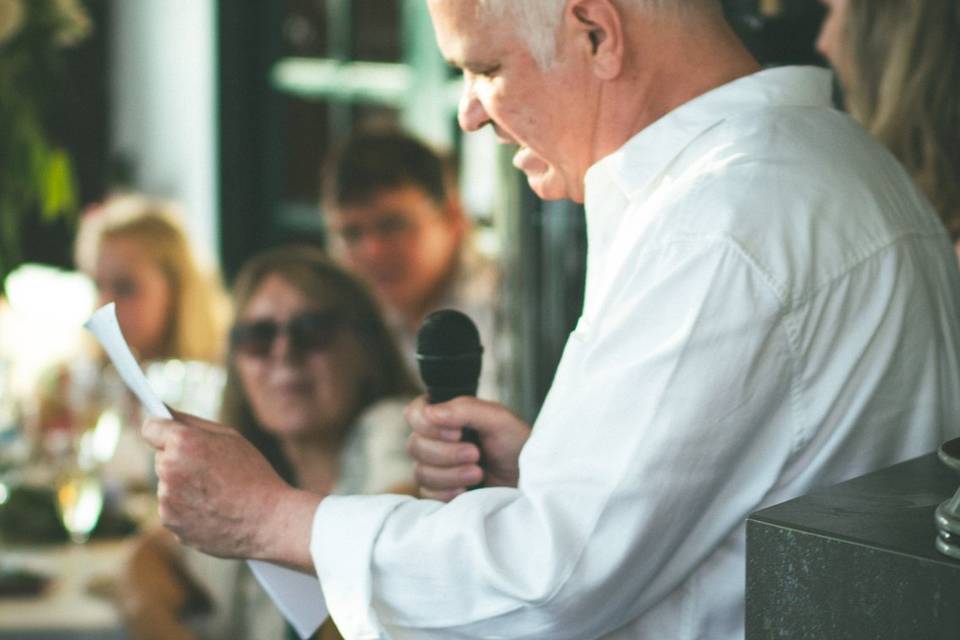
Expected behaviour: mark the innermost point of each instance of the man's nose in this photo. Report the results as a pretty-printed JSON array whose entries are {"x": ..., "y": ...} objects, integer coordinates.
[
  {"x": 371, "y": 246},
  {"x": 470, "y": 112},
  {"x": 820, "y": 44}
]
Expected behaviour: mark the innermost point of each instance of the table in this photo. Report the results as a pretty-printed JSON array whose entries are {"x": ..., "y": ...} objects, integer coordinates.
[
  {"x": 66, "y": 610},
  {"x": 855, "y": 560}
]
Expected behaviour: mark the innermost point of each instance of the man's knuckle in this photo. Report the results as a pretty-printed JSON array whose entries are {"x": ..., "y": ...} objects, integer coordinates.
[
  {"x": 164, "y": 470},
  {"x": 412, "y": 444},
  {"x": 419, "y": 474},
  {"x": 177, "y": 440}
]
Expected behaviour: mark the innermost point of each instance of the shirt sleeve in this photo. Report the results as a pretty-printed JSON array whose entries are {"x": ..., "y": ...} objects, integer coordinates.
[{"x": 667, "y": 423}]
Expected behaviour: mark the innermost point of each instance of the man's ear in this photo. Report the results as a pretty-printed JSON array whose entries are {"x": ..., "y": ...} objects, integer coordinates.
[
  {"x": 454, "y": 213},
  {"x": 599, "y": 26}
]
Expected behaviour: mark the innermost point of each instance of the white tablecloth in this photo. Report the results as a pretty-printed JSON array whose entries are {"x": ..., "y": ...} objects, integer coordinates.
[{"x": 66, "y": 609}]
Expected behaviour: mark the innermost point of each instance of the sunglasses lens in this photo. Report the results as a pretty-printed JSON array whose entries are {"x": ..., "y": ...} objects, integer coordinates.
[
  {"x": 307, "y": 332},
  {"x": 254, "y": 338},
  {"x": 314, "y": 331}
]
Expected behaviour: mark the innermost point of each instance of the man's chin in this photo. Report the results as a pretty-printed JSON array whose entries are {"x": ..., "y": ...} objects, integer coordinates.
[
  {"x": 396, "y": 301},
  {"x": 541, "y": 176},
  {"x": 548, "y": 187}
]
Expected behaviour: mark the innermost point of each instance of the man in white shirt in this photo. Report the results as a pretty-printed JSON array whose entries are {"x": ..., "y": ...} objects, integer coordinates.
[{"x": 771, "y": 306}]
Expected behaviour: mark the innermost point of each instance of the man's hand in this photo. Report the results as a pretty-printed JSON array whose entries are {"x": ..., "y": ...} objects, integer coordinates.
[
  {"x": 445, "y": 465},
  {"x": 218, "y": 494}
]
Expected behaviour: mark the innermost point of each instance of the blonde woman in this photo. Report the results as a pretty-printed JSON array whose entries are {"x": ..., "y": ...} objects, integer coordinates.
[
  {"x": 899, "y": 64},
  {"x": 138, "y": 255}
]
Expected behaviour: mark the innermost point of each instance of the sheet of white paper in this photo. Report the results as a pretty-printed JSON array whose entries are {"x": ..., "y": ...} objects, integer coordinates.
[
  {"x": 103, "y": 324},
  {"x": 297, "y": 595}
]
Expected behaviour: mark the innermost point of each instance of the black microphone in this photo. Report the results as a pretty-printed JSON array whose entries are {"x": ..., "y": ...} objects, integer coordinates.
[{"x": 449, "y": 354}]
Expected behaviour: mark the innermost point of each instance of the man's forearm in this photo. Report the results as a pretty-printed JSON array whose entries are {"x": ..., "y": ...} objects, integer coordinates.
[{"x": 285, "y": 538}]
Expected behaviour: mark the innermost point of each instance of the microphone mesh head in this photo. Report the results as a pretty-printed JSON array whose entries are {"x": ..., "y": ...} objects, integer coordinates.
[
  {"x": 448, "y": 332},
  {"x": 449, "y": 355}
]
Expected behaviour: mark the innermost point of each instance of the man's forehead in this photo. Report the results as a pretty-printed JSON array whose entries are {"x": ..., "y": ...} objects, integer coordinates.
[
  {"x": 402, "y": 200},
  {"x": 462, "y": 9},
  {"x": 460, "y": 26}
]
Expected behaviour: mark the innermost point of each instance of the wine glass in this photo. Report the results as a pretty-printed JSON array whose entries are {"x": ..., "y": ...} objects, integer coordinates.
[
  {"x": 191, "y": 386},
  {"x": 79, "y": 486},
  {"x": 80, "y": 458},
  {"x": 14, "y": 449},
  {"x": 80, "y": 502}
]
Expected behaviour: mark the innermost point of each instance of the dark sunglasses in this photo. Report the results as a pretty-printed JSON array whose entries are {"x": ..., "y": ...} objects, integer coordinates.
[{"x": 313, "y": 331}]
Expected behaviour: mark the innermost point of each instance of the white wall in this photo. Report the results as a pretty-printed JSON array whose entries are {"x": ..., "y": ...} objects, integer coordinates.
[{"x": 163, "y": 97}]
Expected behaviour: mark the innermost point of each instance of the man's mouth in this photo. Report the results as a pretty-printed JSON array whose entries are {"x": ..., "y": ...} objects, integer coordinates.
[{"x": 528, "y": 161}]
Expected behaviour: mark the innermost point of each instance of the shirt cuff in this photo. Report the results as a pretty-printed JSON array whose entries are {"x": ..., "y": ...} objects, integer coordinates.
[{"x": 345, "y": 529}]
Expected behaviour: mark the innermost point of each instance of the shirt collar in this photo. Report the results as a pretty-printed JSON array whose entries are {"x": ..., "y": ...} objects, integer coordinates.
[{"x": 637, "y": 163}]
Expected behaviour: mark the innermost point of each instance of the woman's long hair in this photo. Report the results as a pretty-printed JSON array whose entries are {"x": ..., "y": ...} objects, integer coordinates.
[
  {"x": 905, "y": 62},
  {"x": 198, "y": 317},
  {"x": 313, "y": 274}
]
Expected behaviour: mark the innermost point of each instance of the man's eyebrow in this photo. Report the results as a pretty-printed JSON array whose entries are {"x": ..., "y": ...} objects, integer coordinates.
[
  {"x": 475, "y": 65},
  {"x": 471, "y": 65}
]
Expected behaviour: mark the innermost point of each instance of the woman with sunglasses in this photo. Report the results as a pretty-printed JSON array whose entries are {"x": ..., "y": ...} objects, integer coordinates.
[{"x": 317, "y": 384}]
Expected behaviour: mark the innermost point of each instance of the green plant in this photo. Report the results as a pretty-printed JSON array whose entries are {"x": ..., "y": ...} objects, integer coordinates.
[{"x": 36, "y": 175}]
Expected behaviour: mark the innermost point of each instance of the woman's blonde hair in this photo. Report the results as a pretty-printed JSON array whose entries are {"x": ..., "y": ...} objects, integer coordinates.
[
  {"x": 905, "y": 89},
  {"x": 197, "y": 323}
]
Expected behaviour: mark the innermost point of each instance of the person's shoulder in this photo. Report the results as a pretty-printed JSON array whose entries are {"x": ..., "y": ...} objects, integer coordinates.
[
  {"x": 385, "y": 408},
  {"x": 478, "y": 274},
  {"x": 803, "y": 191},
  {"x": 768, "y": 148},
  {"x": 384, "y": 414},
  {"x": 475, "y": 287},
  {"x": 374, "y": 458}
]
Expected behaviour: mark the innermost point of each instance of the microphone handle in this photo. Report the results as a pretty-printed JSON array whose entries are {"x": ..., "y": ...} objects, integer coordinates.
[{"x": 436, "y": 395}]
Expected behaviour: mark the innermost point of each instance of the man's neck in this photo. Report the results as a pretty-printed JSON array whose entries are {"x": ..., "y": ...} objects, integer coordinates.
[
  {"x": 413, "y": 317},
  {"x": 670, "y": 65}
]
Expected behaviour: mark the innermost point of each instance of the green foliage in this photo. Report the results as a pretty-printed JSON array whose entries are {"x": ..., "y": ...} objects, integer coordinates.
[{"x": 36, "y": 175}]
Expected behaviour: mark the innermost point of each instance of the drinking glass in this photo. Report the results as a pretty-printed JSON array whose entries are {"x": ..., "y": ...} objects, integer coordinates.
[
  {"x": 188, "y": 385},
  {"x": 79, "y": 501},
  {"x": 13, "y": 447},
  {"x": 79, "y": 486}
]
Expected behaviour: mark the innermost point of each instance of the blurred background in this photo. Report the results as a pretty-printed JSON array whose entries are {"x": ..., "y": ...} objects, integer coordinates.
[{"x": 227, "y": 109}]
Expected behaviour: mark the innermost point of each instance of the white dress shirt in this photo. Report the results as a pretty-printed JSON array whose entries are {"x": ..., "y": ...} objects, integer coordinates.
[{"x": 771, "y": 307}]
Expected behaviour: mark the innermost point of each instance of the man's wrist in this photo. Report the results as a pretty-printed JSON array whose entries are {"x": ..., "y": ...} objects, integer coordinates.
[{"x": 285, "y": 539}]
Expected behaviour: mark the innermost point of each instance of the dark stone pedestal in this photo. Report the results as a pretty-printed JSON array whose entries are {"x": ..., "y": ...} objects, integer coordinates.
[{"x": 856, "y": 560}]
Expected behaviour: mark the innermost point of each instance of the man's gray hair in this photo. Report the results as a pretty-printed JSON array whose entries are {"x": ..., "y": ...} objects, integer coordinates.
[{"x": 537, "y": 20}]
